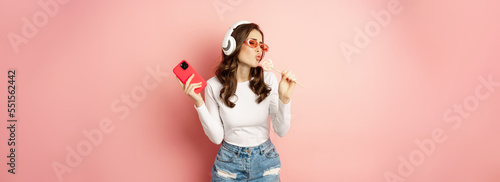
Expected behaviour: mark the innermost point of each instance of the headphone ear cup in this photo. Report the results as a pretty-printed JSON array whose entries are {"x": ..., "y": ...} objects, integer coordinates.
[
  {"x": 231, "y": 46},
  {"x": 229, "y": 43}
]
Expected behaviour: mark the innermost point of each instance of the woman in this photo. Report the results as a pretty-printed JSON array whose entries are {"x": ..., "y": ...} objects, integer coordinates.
[{"x": 238, "y": 102}]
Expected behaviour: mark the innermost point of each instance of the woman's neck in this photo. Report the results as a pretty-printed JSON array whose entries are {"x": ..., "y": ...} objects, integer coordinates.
[{"x": 242, "y": 73}]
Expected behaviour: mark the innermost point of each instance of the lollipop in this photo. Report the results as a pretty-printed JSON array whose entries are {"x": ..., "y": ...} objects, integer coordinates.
[{"x": 268, "y": 65}]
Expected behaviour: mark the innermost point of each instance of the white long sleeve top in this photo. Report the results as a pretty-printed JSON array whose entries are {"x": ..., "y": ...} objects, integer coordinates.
[{"x": 247, "y": 124}]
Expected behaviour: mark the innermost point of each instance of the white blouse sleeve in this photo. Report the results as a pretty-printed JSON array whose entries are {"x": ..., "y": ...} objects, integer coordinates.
[
  {"x": 280, "y": 113},
  {"x": 210, "y": 118}
]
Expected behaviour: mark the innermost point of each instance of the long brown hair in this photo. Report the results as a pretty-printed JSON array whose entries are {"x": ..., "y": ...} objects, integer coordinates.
[{"x": 226, "y": 71}]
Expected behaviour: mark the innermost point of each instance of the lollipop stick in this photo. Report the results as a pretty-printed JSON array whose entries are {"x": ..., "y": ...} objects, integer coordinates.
[
  {"x": 276, "y": 70},
  {"x": 295, "y": 81}
]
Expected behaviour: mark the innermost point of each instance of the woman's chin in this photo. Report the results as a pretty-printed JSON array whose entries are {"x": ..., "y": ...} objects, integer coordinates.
[{"x": 255, "y": 65}]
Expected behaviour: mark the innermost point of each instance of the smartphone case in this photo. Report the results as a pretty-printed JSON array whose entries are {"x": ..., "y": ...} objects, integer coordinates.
[{"x": 184, "y": 74}]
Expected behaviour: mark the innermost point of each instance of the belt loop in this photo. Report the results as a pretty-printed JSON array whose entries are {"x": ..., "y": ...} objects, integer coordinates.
[
  {"x": 264, "y": 146},
  {"x": 239, "y": 150}
]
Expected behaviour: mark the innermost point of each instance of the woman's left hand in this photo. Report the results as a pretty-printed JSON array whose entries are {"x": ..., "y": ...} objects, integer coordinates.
[{"x": 287, "y": 84}]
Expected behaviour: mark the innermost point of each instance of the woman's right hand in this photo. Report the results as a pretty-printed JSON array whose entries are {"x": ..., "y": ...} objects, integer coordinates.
[{"x": 189, "y": 90}]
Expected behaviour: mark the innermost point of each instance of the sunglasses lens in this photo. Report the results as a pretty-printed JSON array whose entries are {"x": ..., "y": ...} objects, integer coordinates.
[
  {"x": 252, "y": 43},
  {"x": 264, "y": 47}
]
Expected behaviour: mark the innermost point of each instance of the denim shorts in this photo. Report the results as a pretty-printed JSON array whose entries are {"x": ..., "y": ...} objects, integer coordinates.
[{"x": 256, "y": 164}]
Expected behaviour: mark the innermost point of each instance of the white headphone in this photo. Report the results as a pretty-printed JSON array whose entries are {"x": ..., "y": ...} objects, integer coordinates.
[{"x": 229, "y": 43}]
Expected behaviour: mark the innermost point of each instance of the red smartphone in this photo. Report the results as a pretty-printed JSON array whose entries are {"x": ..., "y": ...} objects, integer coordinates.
[{"x": 184, "y": 70}]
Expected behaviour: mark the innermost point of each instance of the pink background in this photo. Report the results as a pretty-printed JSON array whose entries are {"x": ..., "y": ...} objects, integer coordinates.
[{"x": 354, "y": 121}]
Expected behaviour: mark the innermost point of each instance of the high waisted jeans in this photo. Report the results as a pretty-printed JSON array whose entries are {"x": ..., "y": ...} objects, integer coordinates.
[{"x": 254, "y": 164}]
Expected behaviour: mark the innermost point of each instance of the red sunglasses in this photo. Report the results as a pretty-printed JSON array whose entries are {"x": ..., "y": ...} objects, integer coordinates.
[{"x": 253, "y": 43}]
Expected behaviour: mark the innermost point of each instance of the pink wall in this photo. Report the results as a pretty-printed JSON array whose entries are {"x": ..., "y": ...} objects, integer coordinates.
[{"x": 410, "y": 103}]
